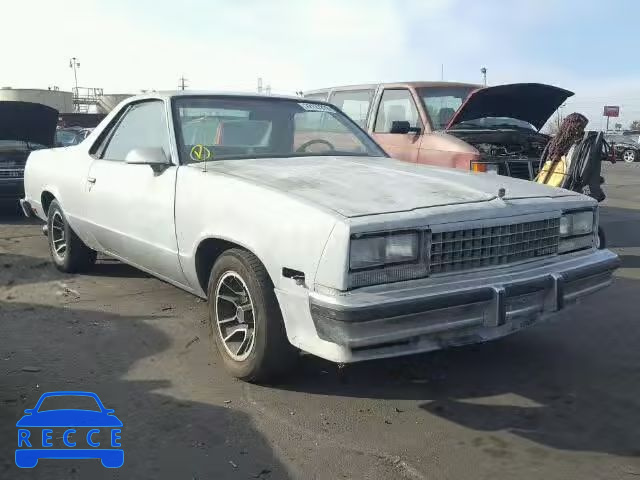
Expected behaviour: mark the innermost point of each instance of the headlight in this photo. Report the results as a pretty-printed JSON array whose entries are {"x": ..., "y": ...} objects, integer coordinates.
[
  {"x": 484, "y": 167},
  {"x": 576, "y": 231},
  {"x": 378, "y": 250},
  {"x": 578, "y": 223}
]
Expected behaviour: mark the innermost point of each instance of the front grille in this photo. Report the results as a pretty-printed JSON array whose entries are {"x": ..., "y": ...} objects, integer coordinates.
[
  {"x": 491, "y": 246},
  {"x": 521, "y": 168},
  {"x": 11, "y": 173}
]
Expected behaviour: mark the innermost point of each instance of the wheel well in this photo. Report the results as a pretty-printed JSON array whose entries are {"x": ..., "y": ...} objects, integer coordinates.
[
  {"x": 46, "y": 199},
  {"x": 206, "y": 255}
]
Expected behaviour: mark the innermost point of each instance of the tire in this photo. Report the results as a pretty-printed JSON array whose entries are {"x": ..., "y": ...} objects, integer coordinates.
[
  {"x": 240, "y": 293},
  {"x": 629, "y": 156},
  {"x": 602, "y": 241},
  {"x": 68, "y": 253}
]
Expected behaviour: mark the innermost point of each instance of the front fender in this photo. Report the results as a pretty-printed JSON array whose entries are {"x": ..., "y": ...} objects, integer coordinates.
[{"x": 276, "y": 228}]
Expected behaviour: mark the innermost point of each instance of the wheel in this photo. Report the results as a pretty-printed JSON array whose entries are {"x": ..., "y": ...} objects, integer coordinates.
[
  {"x": 245, "y": 319},
  {"x": 26, "y": 459},
  {"x": 601, "y": 241},
  {"x": 68, "y": 252},
  {"x": 112, "y": 459},
  {"x": 629, "y": 156}
]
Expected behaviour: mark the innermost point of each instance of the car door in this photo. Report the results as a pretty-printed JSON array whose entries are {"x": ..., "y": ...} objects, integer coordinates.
[
  {"x": 131, "y": 206},
  {"x": 397, "y": 104}
]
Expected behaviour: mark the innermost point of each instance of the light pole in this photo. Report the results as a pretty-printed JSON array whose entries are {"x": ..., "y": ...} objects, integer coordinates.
[
  {"x": 75, "y": 64},
  {"x": 483, "y": 71}
]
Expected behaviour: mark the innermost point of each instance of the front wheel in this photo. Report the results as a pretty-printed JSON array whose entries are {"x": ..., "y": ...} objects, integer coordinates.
[
  {"x": 245, "y": 319},
  {"x": 68, "y": 252},
  {"x": 629, "y": 156}
]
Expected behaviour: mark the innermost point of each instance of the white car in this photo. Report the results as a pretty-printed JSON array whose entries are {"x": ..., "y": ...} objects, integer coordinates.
[{"x": 303, "y": 234}]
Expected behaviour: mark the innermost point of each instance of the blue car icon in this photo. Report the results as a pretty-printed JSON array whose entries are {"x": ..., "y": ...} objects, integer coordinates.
[{"x": 85, "y": 432}]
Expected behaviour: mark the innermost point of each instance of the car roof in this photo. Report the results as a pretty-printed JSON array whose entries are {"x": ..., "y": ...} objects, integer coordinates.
[
  {"x": 169, "y": 94},
  {"x": 415, "y": 84},
  {"x": 69, "y": 393}
]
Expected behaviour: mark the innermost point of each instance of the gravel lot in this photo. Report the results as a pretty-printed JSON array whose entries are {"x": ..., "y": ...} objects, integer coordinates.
[{"x": 558, "y": 401}]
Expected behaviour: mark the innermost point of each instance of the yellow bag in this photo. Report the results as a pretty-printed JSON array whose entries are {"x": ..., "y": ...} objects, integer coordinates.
[{"x": 553, "y": 174}]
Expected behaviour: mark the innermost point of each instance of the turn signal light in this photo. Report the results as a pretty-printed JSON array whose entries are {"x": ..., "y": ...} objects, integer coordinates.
[{"x": 479, "y": 167}]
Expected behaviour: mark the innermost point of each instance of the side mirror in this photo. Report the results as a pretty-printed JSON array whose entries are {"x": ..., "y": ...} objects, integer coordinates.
[
  {"x": 403, "y": 127},
  {"x": 147, "y": 156},
  {"x": 29, "y": 411}
]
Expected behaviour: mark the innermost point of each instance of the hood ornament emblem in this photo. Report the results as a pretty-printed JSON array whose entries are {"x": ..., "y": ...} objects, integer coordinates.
[{"x": 501, "y": 192}]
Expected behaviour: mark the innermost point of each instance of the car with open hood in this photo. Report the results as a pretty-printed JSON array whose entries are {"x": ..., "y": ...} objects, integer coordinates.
[
  {"x": 457, "y": 125},
  {"x": 303, "y": 234},
  {"x": 24, "y": 127}
]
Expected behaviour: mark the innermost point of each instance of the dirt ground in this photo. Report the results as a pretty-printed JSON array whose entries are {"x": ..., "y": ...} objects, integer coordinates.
[{"x": 560, "y": 400}]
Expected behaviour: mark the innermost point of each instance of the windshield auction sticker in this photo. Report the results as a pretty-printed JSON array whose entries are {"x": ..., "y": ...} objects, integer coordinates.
[
  {"x": 53, "y": 430},
  {"x": 199, "y": 153},
  {"x": 317, "y": 107}
]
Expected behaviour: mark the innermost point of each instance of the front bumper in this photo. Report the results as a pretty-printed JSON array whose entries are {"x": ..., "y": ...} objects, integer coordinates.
[{"x": 444, "y": 311}]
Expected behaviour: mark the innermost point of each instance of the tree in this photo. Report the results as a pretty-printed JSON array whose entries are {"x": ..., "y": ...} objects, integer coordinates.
[{"x": 635, "y": 125}]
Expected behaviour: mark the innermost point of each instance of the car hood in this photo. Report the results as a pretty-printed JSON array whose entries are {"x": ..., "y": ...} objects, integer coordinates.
[
  {"x": 530, "y": 102},
  {"x": 28, "y": 122},
  {"x": 359, "y": 186},
  {"x": 629, "y": 144},
  {"x": 69, "y": 418}
]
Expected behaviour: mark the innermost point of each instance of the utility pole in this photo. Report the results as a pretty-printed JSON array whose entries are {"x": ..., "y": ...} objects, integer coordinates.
[
  {"x": 183, "y": 83},
  {"x": 442, "y": 72},
  {"x": 75, "y": 64},
  {"x": 483, "y": 71}
]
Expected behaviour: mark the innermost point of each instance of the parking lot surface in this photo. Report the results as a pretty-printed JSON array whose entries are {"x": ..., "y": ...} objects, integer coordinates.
[{"x": 557, "y": 401}]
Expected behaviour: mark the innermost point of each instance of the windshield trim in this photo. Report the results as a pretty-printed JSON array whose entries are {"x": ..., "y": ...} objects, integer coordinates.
[
  {"x": 336, "y": 153},
  {"x": 359, "y": 131}
]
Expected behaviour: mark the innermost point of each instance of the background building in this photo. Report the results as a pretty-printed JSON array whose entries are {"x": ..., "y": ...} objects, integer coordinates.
[{"x": 58, "y": 99}]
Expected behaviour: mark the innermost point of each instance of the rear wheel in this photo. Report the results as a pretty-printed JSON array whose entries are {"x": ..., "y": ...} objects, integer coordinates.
[
  {"x": 629, "y": 156},
  {"x": 68, "y": 252},
  {"x": 245, "y": 319}
]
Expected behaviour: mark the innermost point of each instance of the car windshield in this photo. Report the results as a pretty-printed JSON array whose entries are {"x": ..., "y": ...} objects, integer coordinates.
[
  {"x": 226, "y": 128},
  {"x": 65, "y": 138},
  {"x": 620, "y": 139},
  {"x": 66, "y": 402},
  {"x": 442, "y": 102}
]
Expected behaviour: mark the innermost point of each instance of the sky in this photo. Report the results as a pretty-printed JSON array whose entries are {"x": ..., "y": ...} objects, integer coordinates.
[{"x": 591, "y": 47}]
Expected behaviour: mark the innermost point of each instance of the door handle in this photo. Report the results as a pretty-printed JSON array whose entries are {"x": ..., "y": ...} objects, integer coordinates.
[{"x": 91, "y": 180}]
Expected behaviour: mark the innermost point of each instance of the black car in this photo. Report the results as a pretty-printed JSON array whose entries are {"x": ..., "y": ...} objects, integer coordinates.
[
  {"x": 625, "y": 147},
  {"x": 24, "y": 127}
]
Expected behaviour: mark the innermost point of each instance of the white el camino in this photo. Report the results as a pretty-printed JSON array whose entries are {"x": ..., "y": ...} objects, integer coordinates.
[{"x": 304, "y": 235}]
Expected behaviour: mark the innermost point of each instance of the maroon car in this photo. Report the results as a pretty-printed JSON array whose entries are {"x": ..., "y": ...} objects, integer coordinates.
[{"x": 457, "y": 125}]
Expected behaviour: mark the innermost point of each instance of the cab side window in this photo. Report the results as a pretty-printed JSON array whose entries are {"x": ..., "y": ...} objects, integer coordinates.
[
  {"x": 354, "y": 103},
  {"x": 396, "y": 105},
  {"x": 143, "y": 125}
]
